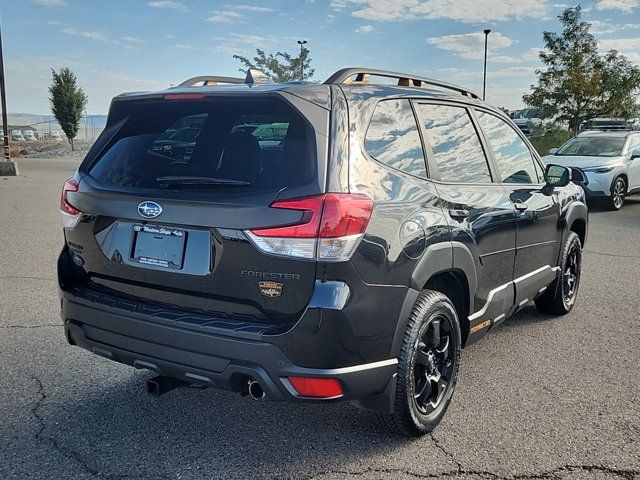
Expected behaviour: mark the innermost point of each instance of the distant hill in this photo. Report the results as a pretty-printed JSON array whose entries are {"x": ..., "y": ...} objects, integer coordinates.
[{"x": 24, "y": 119}]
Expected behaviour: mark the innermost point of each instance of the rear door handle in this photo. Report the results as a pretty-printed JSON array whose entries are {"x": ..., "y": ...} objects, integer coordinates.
[
  {"x": 520, "y": 205},
  {"x": 458, "y": 213}
]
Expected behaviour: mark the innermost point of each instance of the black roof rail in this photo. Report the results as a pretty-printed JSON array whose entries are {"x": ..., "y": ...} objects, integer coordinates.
[
  {"x": 253, "y": 77},
  {"x": 404, "y": 79}
]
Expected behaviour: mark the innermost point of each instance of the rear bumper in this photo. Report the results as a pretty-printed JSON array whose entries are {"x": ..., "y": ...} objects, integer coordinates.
[{"x": 199, "y": 356}]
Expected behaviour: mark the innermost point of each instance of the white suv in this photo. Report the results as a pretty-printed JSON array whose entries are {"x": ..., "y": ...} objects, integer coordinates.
[{"x": 609, "y": 160}]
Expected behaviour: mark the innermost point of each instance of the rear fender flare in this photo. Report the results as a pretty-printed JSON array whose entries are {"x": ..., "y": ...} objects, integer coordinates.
[
  {"x": 437, "y": 258},
  {"x": 576, "y": 211}
]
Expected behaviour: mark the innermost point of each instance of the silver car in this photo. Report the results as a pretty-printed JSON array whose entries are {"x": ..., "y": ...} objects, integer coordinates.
[{"x": 610, "y": 162}]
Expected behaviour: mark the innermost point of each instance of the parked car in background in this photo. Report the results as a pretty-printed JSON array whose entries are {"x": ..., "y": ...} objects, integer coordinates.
[
  {"x": 55, "y": 135},
  {"x": 527, "y": 119},
  {"x": 17, "y": 136},
  {"x": 610, "y": 162},
  {"x": 30, "y": 135},
  {"x": 606, "y": 125}
]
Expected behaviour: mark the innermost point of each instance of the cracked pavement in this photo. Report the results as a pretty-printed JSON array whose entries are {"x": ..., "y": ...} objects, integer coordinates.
[{"x": 538, "y": 398}]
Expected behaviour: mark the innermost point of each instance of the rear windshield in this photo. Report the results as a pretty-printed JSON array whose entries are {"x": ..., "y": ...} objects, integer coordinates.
[{"x": 259, "y": 143}]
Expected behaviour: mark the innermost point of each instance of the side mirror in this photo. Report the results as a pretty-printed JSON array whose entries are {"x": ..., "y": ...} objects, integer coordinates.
[
  {"x": 635, "y": 154},
  {"x": 557, "y": 176},
  {"x": 552, "y": 151}
]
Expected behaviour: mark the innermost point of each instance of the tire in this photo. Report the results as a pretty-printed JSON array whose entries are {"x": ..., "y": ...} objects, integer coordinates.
[
  {"x": 429, "y": 361},
  {"x": 618, "y": 192},
  {"x": 561, "y": 295}
]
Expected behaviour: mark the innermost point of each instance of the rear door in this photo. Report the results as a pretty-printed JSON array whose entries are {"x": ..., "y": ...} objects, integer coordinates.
[
  {"x": 634, "y": 164},
  {"x": 159, "y": 230},
  {"x": 479, "y": 211},
  {"x": 538, "y": 232}
]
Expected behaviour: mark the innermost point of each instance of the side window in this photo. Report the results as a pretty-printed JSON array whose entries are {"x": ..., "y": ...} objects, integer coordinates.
[
  {"x": 393, "y": 139},
  {"x": 634, "y": 144},
  {"x": 513, "y": 157},
  {"x": 457, "y": 150}
]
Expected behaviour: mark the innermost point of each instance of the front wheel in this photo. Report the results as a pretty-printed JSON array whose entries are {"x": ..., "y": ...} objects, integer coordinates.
[
  {"x": 561, "y": 295},
  {"x": 427, "y": 368},
  {"x": 618, "y": 192}
]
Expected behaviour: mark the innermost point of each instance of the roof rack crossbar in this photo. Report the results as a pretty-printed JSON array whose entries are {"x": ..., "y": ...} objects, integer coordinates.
[
  {"x": 404, "y": 79},
  {"x": 210, "y": 80},
  {"x": 254, "y": 77}
]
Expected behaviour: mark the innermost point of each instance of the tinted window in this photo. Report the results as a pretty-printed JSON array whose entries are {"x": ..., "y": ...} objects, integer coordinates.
[
  {"x": 264, "y": 142},
  {"x": 454, "y": 141},
  {"x": 513, "y": 157},
  {"x": 393, "y": 137}
]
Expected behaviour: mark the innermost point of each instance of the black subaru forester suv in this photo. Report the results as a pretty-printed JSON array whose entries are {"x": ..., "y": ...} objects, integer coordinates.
[{"x": 313, "y": 242}]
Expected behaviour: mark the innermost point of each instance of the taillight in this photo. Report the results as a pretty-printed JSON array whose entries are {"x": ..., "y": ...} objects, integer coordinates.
[
  {"x": 317, "y": 387},
  {"x": 331, "y": 227},
  {"x": 69, "y": 214},
  {"x": 183, "y": 96}
]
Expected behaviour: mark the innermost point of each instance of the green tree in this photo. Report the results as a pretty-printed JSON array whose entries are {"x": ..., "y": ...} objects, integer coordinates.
[
  {"x": 67, "y": 102},
  {"x": 579, "y": 84},
  {"x": 280, "y": 67}
]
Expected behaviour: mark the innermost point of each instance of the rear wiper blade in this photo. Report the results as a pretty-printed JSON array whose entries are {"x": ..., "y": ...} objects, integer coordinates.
[{"x": 190, "y": 180}]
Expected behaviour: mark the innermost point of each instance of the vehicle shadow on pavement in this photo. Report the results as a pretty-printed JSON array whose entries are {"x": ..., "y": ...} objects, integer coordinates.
[
  {"x": 528, "y": 315},
  {"x": 121, "y": 430},
  {"x": 600, "y": 205}
]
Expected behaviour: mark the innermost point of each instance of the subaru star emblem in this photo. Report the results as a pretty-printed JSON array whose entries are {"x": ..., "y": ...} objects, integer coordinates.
[{"x": 149, "y": 209}]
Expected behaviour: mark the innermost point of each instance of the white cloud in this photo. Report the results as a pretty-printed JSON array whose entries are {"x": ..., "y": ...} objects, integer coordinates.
[
  {"x": 505, "y": 59},
  {"x": 468, "y": 11},
  {"x": 531, "y": 55},
  {"x": 364, "y": 29},
  {"x": 620, "y": 44},
  {"x": 606, "y": 26},
  {"x": 129, "y": 43},
  {"x": 471, "y": 45},
  {"x": 512, "y": 72},
  {"x": 629, "y": 47},
  {"x": 182, "y": 46},
  {"x": 137, "y": 40},
  {"x": 627, "y": 6},
  {"x": 26, "y": 76},
  {"x": 253, "y": 8},
  {"x": 91, "y": 34},
  {"x": 179, "y": 6},
  {"x": 224, "y": 16},
  {"x": 50, "y": 3},
  {"x": 240, "y": 44}
]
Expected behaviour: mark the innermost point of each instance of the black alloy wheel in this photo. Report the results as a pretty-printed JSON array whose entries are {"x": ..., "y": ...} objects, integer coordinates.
[
  {"x": 571, "y": 274},
  {"x": 428, "y": 366},
  {"x": 434, "y": 364},
  {"x": 560, "y": 297}
]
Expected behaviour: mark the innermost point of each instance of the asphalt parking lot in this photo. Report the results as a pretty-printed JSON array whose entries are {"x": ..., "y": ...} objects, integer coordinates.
[{"x": 540, "y": 397}]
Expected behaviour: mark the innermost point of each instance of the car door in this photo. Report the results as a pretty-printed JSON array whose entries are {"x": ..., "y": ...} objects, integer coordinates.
[
  {"x": 538, "y": 233},
  {"x": 479, "y": 212},
  {"x": 633, "y": 147}
]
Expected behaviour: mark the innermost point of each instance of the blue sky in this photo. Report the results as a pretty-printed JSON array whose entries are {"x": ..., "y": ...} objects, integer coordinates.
[{"x": 117, "y": 45}]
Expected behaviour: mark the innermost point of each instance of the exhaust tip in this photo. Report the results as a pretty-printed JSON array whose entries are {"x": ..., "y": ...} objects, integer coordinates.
[
  {"x": 256, "y": 391},
  {"x": 153, "y": 387}
]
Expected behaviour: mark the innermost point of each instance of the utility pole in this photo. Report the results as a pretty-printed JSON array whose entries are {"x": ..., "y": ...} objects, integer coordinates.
[
  {"x": 7, "y": 168},
  {"x": 484, "y": 82},
  {"x": 302, "y": 43}
]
